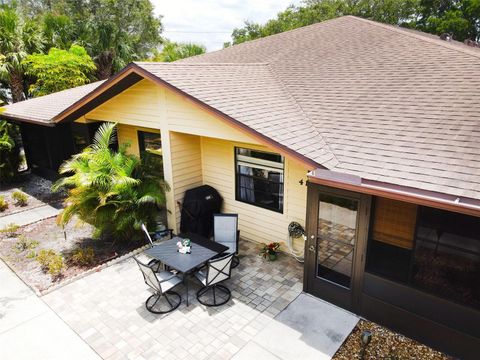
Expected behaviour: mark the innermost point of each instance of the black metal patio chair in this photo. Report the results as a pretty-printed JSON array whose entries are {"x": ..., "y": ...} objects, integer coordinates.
[
  {"x": 225, "y": 232},
  {"x": 217, "y": 271},
  {"x": 161, "y": 283},
  {"x": 153, "y": 263}
]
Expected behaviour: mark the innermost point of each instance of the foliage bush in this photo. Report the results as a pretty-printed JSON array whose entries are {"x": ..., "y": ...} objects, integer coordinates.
[
  {"x": 9, "y": 151},
  {"x": 23, "y": 243},
  {"x": 111, "y": 190},
  {"x": 59, "y": 70},
  {"x": 10, "y": 230},
  {"x": 51, "y": 261},
  {"x": 20, "y": 198},
  {"x": 3, "y": 204},
  {"x": 83, "y": 256}
]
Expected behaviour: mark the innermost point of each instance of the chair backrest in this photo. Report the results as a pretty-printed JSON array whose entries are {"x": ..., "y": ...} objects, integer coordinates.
[
  {"x": 149, "y": 276},
  {"x": 225, "y": 230},
  {"x": 219, "y": 269},
  {"x": 144, "y": 228}
]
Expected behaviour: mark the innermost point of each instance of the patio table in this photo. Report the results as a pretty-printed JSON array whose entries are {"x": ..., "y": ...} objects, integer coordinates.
[{"x": 202, "y": 250}]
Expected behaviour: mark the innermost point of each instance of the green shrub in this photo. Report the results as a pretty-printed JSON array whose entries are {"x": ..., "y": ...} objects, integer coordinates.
[
  {"x": 23, "y": 243},
  {"x": 31, "y": 254},
  {"x": 9, "y": 151},
  {"x": 3, "y": 203},
  {"x": 83, "y": 256},
  {"x": 112, "y": 190},
  {"x": 10, "y": 230},
  {"x": 20, "y": 198},
  {"x": 51, "y": 261}
]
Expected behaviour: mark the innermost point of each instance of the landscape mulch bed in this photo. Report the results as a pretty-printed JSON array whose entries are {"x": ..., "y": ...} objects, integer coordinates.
[
  {"x": 12, "y": 207},
  {"x": 385, "y": 345},
  {"x": 36, "y": 188},
  {"x": 49, "y": 235}
]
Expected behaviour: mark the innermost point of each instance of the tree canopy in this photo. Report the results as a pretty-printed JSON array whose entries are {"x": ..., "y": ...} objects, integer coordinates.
[
  {"x": 18, "y": 38},
  {"x": 40, "y": 41},
  {"x": 59, "y": 70},
  {"x": 172, "y": 51},
  {"x": 459, "y": 18},
  {"x": 112, "y": 32}
]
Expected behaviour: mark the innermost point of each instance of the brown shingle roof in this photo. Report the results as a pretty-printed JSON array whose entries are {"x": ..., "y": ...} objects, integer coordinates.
[
  {"x": 393, "y": 105},
  {"x": 354, "y": 96},
  {"x": 252, "y": 95},
  {"x": 43, "y": 109}
]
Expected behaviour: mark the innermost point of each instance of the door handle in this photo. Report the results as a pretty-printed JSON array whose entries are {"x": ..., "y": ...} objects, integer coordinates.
[{"x": 311, "y": 248}]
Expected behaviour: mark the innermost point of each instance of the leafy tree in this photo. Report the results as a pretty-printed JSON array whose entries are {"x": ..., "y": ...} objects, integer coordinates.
[
  {"x": 59, "y": 70},
  {"x": 461, "y": 18},
  {"x": 58, "y": 31},
  {"x": 9, "y": 151},
  {"x": 116, "y": 32},
  {"x": 17, "y": 39},
  {"x": 172, "y": 51},
  {"x": 111, "y": 190}
]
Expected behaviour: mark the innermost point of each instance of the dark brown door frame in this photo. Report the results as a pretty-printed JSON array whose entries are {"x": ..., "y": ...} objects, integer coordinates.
[{"x": 348, "y": 298}]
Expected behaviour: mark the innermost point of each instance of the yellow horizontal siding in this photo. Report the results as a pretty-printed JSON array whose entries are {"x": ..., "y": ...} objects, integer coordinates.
[
  {"x": 198, "y": 149},
  {"x": 255, "y": 223},
  {"x": 138, "y": 105},
  {"x": 186, "y": 167}
]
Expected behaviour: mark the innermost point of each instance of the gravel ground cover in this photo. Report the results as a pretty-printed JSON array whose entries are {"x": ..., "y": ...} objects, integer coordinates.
[
  {"x": 20, "y": 250},
  {"x": 385, "y": 345},
  {"x": 37, "y": 189}
]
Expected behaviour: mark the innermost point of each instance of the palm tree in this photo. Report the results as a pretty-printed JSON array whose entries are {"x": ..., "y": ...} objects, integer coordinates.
[
  {"x": 17, "y": 39},
  {"x": 110, "y": 190}
]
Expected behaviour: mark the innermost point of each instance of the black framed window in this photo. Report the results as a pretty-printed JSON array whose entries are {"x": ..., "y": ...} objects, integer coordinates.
[
  {"x": 259, "y": 178},
  {"x": 149, "y": 142},
  {"x": 429, "y": 249}
]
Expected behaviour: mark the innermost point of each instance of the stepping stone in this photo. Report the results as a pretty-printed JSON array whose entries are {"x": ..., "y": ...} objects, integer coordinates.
[{"x": 29, "y": 216}]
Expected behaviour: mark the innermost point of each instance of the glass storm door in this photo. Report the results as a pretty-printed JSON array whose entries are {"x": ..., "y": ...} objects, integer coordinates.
[{"x": 336, "y": 223}]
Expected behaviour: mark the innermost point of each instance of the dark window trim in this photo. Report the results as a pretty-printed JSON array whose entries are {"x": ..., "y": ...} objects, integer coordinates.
[{"x": 237, "y": 187}]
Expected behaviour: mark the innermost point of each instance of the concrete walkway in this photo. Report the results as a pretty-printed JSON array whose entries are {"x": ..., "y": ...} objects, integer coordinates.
[
  {"x": 309, "y": 328},
  {"x": 29, "y": 216},
  {"x": 30, "y": 329}
]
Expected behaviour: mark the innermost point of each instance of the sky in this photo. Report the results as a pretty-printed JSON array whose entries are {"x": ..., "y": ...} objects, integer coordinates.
[{"x": 210, "y": 22}]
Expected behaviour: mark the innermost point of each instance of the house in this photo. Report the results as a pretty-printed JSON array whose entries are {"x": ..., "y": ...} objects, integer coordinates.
[{"x": 366, "y": 134}]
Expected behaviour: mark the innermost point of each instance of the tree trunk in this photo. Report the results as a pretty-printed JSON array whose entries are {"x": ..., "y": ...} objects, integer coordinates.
[
  {"x": 16, "y": 86},
  {"x": 104, "y": 65}
]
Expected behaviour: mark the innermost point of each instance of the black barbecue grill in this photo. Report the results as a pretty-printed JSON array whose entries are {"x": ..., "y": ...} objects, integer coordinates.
[{"x": 199, "y": 205}]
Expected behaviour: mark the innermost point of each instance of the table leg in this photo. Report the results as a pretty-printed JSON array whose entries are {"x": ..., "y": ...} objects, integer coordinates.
[{"x": 185, "y": 281}]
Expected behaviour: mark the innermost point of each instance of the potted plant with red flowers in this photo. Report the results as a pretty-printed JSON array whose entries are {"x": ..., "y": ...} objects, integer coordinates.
[{"x": 270, "y": 251}]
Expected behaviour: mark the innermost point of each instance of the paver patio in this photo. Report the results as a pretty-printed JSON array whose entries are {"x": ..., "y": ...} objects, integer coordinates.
[{"x": 107, "y": 310}]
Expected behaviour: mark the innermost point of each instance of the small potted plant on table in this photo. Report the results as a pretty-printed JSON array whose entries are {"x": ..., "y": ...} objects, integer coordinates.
[{"x": 270, "y": 251}]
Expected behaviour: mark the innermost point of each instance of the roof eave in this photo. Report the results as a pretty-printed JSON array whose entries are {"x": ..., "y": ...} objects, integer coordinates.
[
  {"x": 24, "y": 119},
  {"x": 418, "y": 196}
]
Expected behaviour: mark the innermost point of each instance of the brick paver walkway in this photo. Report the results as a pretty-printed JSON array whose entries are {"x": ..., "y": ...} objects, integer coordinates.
[{"x": 107, "y": 310}]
